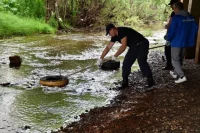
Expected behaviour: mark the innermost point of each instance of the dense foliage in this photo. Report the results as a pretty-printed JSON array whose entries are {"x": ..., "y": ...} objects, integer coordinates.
[
  {"x": 122, "y": 12},
  {"x": 25, "y": 8},
  {"x": 90, "y": 13}
]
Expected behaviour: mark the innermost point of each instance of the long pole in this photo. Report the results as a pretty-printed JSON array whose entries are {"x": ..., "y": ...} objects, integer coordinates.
[
  {"x": 157, "y": 47},
  {"x": 197, "y": 54}
]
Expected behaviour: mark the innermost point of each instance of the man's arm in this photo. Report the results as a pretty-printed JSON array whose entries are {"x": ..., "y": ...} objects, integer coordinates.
[
  {"x": 172, "y": 30},
  {"x": 106, "y": 50},
  {"x": 168, "y": 24},
  {"x": 122, "y": 48}
]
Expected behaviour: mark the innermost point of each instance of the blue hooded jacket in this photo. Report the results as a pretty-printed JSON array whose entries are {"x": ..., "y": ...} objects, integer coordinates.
[{"x": 182, "y": 31}]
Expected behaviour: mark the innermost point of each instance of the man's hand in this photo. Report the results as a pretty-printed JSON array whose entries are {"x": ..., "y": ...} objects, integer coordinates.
[
  {"x": 167, "y": 43},
  {"x": 165, "y": 37},
  {"x": 166, "y": 26},
  {"x": 113, "y": 58},
  {"x": 99, "y": 62}
]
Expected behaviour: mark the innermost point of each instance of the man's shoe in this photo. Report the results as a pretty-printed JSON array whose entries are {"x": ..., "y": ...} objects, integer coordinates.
[
  {"x": 173, "y": 74},
  {"x": 124, "y": 84},
  {"x": 150, "y": 82},
  {"x": 167, "y": 68},
  {"x": 180, "y": 80}
]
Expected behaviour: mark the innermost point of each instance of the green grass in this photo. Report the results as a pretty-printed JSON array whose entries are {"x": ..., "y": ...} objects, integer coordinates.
[{"x": 13, "y": 25}]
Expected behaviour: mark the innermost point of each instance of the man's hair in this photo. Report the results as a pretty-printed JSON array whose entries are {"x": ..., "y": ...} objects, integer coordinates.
[
  {"x": 179, "y": 5},
  {"x": 173, "y": 1}
]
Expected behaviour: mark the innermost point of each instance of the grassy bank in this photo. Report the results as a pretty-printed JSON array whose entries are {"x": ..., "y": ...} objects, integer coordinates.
[{"x": 13, "y": 25}]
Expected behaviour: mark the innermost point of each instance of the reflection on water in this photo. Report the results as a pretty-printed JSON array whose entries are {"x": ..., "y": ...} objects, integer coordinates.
[
  {"x": 49, "y": 110},
  {"x": 46, "y": 108}
]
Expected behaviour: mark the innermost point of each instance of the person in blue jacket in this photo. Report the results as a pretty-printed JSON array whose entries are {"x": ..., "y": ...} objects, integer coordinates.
[
  {"x": 182, "y": 33},
  {"x": 167, "y": 49}
]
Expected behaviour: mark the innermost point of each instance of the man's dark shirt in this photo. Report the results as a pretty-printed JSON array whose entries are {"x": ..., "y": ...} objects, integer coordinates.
[
  {"x": 172, "y": 14},
  {"x": 133, "y": 37}
]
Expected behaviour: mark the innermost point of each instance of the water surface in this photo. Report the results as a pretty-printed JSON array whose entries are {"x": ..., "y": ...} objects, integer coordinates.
[{"x": 27, "y": 103}]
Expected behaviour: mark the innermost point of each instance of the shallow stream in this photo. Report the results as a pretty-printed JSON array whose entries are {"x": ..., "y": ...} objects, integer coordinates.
[{"x": 27, "y": 106}]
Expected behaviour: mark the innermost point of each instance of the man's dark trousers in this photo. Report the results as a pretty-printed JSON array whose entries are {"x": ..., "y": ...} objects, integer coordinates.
[
  {"x": 168, "y": 56},
  {"x": 140, "y": 53}
]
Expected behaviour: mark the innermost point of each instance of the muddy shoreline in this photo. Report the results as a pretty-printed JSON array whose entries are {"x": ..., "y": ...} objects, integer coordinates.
[{"x": 164, "y": 108}]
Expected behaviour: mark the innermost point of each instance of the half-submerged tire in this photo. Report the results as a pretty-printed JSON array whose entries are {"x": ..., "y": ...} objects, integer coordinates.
[
  {"x": 110, "y": 65},
  {"x": 54, "y": 81}
]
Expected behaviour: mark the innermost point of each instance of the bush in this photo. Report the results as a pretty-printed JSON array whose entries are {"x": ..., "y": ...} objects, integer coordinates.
[
  {"x": 53, "y": 22},
  {"x": 13, "y": 25},
  {"x": 25, "y": 8}
]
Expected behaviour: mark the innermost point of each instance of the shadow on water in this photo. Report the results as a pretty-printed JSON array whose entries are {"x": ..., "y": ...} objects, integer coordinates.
[{"x": 46, "y": 108}]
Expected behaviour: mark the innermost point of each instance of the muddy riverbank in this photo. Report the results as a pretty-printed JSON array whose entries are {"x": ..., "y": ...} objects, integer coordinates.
[{"x": 164, "y": 108}]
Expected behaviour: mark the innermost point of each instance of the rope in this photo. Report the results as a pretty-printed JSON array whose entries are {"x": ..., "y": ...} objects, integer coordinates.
[
  {"x": 86, "y": 68},
  {"x": 81, "y": 70},
  {"x": 102, "y": 62},
  {"x": 8, "y": 84}
]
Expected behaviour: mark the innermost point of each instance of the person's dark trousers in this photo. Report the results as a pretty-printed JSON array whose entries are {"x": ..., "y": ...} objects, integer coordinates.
[
  {"x": 140, "y": 53},
  {"x": 168, "y": 56}
]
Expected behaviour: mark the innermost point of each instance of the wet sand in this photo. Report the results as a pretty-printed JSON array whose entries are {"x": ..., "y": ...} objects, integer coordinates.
[{"x": 165, "y": 108}]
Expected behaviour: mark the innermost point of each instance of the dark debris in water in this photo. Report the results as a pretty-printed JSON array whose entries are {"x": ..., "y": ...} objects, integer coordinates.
[
  {"x": 26, "y": 127},
  {"x": 166, "y": 107},
  {"x": 5, "y": 84}
]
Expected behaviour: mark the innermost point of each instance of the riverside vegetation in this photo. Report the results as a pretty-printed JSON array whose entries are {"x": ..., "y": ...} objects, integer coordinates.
[{"x": 23, "y": 17}]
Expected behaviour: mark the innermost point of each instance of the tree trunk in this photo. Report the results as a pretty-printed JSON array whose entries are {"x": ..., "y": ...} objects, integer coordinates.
[{"x": 50, "y": 8}]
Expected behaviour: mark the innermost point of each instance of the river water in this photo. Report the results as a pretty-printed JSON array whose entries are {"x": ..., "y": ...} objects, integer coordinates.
[{"x": 27, "y": 106}]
